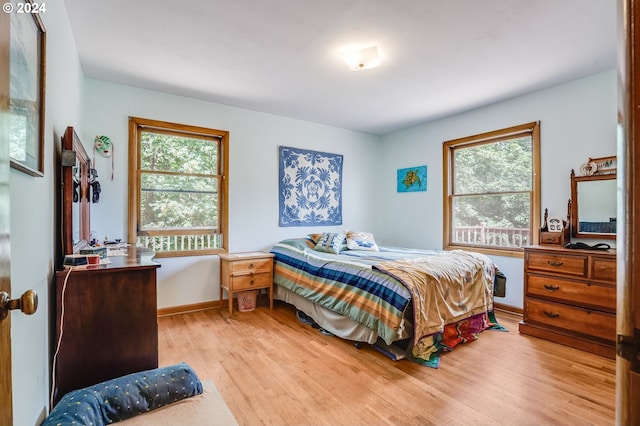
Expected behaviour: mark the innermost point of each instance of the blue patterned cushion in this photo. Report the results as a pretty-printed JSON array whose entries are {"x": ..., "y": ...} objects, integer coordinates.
[
  {"x": 361, "y": 241},
  {"x": 79, "y": 407},
  {"x": 330, "y": 242},
  {"x": 126, "y": 396}
]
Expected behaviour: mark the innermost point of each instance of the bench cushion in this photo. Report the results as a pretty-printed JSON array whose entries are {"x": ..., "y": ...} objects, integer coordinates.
[
  {"x": 127, "y": 396},
  {"x": 208, "y": 409}
]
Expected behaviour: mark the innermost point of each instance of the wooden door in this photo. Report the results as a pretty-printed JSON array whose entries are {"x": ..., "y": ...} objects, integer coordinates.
[
  {"x": 628, "y": 313},
  {"x": 6, "y": 406}
]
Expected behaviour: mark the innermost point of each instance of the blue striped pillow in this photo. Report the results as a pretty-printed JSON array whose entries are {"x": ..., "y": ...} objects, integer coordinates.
[{"x": 330, "y": 242}]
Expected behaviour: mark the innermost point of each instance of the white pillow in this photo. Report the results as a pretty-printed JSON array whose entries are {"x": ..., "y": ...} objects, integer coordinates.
[{"x": 357, "y": 240}]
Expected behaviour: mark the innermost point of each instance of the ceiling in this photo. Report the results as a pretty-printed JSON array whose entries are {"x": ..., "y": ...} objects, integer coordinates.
[{"x": 281, "y": 57}]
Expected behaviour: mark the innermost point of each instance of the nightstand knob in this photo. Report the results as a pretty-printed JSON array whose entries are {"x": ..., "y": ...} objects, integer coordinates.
[{"x": 251, "y": 265}]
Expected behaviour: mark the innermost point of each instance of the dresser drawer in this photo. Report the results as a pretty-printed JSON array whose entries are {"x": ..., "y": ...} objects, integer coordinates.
[
  {"x": 249, "y": 281},
  {"x": 603, "y": 269},
  {"x": 250, "y": 265},
  {"x": 601, "y": 296},
  {"x": 580, "y": 320},
  {"x": 551, "y": 238},
  {"x": 558, "y": 263}
]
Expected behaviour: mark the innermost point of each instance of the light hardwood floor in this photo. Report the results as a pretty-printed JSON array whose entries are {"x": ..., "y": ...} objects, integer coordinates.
[{"x": 272, "y": 369}]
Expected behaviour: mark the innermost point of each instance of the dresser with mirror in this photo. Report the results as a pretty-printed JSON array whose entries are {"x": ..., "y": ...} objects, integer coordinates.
[
  {"x": 106, "y": 314},
  {"x": 570, "y": 294}
]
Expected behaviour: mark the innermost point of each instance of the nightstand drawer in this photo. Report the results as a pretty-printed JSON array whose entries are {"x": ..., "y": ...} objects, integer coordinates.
[
  {"x": 250, "y": 266},
  {"x": 601, "y": 296},
  {"x": 580, "y": 320},
  {"x": 249, "y": 281},
  {"x": 558, "y": 263}
]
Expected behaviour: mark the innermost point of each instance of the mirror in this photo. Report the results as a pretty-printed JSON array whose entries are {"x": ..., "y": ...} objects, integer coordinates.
[
  {"x": 76, "y": 227},
  {"x": 594, "y": 206}
]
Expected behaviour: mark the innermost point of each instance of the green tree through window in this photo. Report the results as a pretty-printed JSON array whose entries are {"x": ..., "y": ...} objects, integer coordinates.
[
  {"x": 492, "y": 192},
  {"x": 179, "y": 187}
]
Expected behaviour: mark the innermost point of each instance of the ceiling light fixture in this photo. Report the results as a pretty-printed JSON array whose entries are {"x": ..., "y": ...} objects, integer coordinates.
[{"x": 361, "y": 58}]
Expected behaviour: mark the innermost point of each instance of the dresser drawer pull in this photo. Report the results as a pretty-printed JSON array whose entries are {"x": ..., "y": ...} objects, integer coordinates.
[
  {"x": 552, "y": 287},
  {"x": 554, "y": 263},
  {"x": 551, "y": 314},
  {"x": 251, "y": 265}
]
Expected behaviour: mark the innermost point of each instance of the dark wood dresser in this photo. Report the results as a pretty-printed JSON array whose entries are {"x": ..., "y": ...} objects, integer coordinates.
[
  {"x": 570, "y": 297},
  {"x": 110, "y": 321}
]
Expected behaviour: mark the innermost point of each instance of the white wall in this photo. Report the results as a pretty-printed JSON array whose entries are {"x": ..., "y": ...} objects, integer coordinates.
[
  {"x": 253, "y": 181},
  {"x": 33, "y": 223},
  {"x": 577, "y": 121}
]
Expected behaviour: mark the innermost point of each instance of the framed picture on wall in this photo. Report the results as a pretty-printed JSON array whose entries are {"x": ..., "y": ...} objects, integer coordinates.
[
  {"x": 27, "y": 86},
  {"x": 412, "y": 179}
]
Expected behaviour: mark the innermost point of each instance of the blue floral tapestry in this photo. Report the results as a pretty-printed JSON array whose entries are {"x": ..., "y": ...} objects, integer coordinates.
[{"x": 310, "y": 188}]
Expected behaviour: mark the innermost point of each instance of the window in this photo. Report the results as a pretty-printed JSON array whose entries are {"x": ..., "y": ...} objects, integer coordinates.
[
  {"x": 492, "y": 190},
  {"x": 177, "y": 187}
]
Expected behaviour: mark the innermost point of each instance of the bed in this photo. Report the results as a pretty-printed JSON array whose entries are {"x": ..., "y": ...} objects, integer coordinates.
[{"x": 408, "y": 302}]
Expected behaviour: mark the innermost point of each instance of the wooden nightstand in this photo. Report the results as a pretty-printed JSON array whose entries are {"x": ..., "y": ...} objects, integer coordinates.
[{"x": 246, "y": 271}]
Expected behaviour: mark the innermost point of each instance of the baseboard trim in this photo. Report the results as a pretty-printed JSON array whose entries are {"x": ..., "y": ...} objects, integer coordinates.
[
  {"x": 195, "y": 307},
  {"x": 508, "y": 309},
  {"x": 261, "y": 300},
  {"x": 217, "y": 304}
]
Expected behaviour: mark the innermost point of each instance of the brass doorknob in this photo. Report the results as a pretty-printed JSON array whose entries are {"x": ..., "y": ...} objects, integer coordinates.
[{"x": 27, "y": 303}]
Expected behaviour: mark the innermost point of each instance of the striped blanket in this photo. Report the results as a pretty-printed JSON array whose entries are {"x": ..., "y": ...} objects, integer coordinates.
[
  {"x": 376, "y": 288},
  {"x": 346, "y": 283}
]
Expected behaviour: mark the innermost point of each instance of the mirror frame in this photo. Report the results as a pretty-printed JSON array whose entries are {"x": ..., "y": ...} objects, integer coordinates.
[
  {"x": 71, "y": 142},
  {"x": 575, "y": 232}
]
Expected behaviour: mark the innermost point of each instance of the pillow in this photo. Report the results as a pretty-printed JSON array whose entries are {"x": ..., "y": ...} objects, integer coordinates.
[
  {"x": 361, "y": 241},
  {"x": 123, "y": 397},
  {"x": 330, "y": 242},
  {"x": 315, "y": 237}
]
